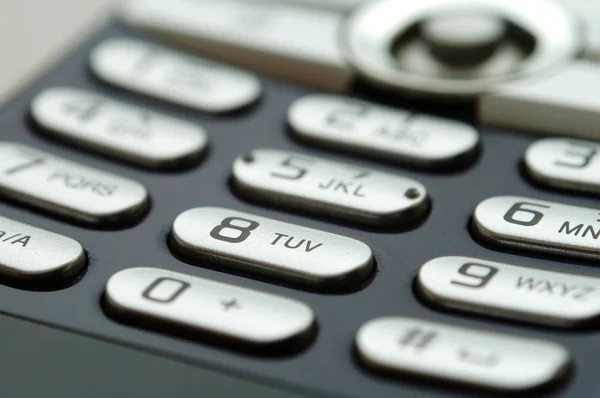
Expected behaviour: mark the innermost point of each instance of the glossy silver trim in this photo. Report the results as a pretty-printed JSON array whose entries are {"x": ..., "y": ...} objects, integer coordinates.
[{"x": 372, "y": 30}]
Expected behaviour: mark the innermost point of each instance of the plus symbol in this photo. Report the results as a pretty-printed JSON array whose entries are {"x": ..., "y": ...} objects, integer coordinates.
[{"x": 230, "y": 304}]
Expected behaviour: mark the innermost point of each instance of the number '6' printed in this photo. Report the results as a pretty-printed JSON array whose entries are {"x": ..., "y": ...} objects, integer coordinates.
[{"x": 518, "y": 208}]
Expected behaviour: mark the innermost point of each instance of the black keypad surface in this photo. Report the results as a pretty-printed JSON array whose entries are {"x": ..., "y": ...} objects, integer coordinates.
[{"x": 328, "y": 364}]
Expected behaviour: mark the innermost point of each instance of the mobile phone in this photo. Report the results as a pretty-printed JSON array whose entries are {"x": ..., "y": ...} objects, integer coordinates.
[{"x": 292, "y": 198}]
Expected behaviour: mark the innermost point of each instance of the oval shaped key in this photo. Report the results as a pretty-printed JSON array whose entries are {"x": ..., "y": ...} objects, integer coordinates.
[
  {"x": 447, "y": 353},
  {"x": 510, "y": 291},
  {"x": 537, "y": 225},
  {"x": 332, "y": 189},
  {"x": 380, "y": 132},
  {"x": 34, "y": 255},
  {"x": 116, "y": 129},
  {"x": 171, "y": 76},
  {"x": 565, "y": 163},
  {"x": 203, "y": 307},
  {"x": 69, "y": 189},
  {"x": 260, "y": 245}
]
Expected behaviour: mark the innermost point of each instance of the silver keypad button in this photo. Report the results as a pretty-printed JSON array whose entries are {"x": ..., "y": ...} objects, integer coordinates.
[
  {"x": 201, "y": 306},
  {"x": 287, "y": 40},
  {"x": 510, "y": 291},
  {"x": 356, "y": 194},
  {"x": 116, "y": 129},
  {"x": 171, "y": 76},
  {"x": 31, "y": 255},
  {"x": 259, "y": 245},
  {"x": 525, "y": 223},
  {"x": 381, "y": 132},
  {"x": 69, "y": 189},
  {"x": 565, "y": 163},
  {"x": 449, "y": 353}
]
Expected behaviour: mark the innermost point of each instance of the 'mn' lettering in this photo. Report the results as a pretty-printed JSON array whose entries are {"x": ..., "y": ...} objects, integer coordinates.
[{"x": 576, "y": 230}]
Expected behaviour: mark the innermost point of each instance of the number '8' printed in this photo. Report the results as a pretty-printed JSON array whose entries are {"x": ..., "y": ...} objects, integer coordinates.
[{"x": 242, "y": 230}]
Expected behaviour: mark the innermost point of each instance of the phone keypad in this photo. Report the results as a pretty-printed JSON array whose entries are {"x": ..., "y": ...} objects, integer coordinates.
[
  {"x": 119, "y": 130},
  {"x": 30, "y": 255},
  {"x": 77, "y": 192},
  {"x": 352, "y": 193},
  {"x": 174, "y": 77},
  {"x": 547, "y": 227},
  {"x": 510, "y": 291},
  {"x": 260, "y": 245},
  {"x": 202, "y": 306},
  {"x": 474, "y": 357},
  {"x": 383, "y": 133},
  {"x": 299, "y": 40}
]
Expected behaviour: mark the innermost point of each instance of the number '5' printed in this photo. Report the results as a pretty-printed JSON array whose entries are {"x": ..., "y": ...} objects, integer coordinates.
[{"x": 294, "y": 172}]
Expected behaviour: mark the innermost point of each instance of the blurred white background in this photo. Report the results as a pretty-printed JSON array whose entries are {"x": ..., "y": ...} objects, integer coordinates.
[{"x": 33, "y": 33}]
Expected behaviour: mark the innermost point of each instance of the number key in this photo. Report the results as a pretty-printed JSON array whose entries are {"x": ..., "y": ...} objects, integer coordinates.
[
  {"x": 510, "y": 291},
  {"x": 175, "y": 302},
  {"x": 116, "y": 129},
  {"x": 172, "y": 76},
  {"x": 383, "y": 133},
  {"x": 69, "y": 189},
  {"x": 454, "y": 354},
  {"x": 259, "y": 245},
  {"x": 329, "y": 188},
  {"x": 565, "y": 164},
  {"x": 524, "y": 223}
]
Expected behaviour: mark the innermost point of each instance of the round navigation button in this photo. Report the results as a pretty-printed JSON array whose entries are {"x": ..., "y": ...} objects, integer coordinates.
[
  {"x": 463, "y": 39},
  {"x": 378, "y": 38}
]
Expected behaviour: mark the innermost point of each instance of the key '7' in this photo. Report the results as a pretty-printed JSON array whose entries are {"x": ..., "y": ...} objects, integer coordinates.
[{"x": 24, "y": 166}]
